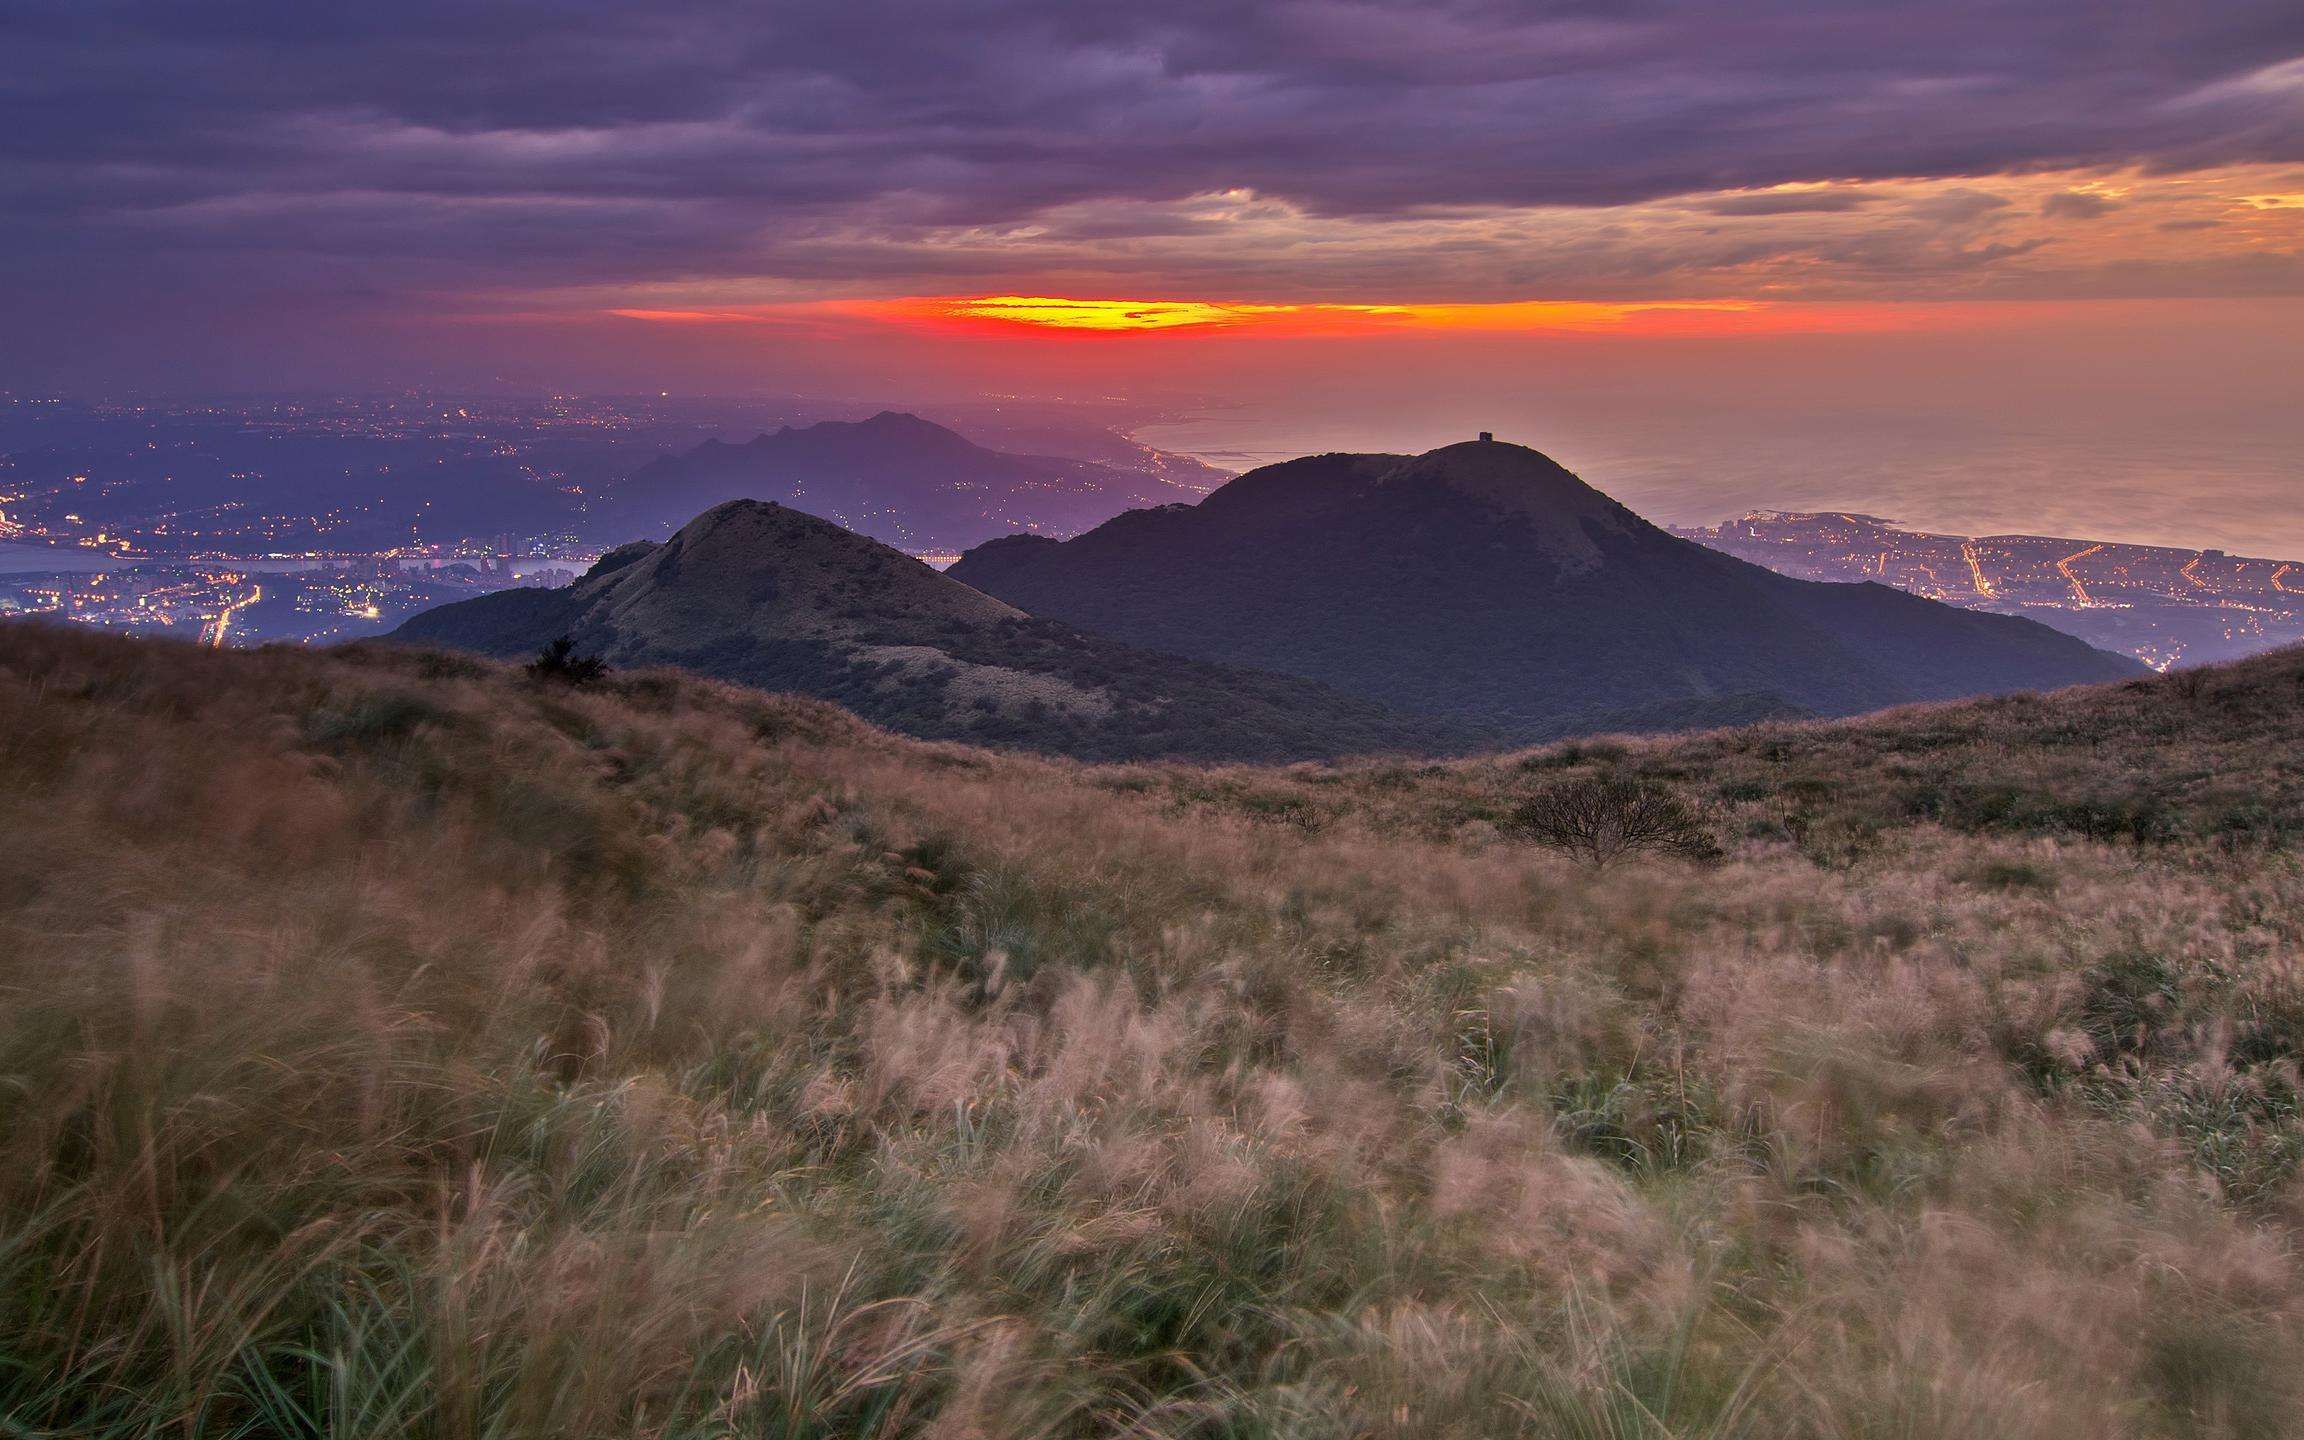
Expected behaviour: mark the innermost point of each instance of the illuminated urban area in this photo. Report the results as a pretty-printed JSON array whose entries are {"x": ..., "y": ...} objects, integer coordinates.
[
  {"x": 307, "y": 521},
  {"x": 330, "y": 518},
  {"x": 2165, "y": 606}
]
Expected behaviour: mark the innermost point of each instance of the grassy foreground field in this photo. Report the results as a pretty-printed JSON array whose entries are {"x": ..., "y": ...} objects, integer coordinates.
[{"x": 392, "y": 1046}]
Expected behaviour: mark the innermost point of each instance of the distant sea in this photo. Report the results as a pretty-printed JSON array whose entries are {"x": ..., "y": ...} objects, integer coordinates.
[{"x": 2139, "y": 482}]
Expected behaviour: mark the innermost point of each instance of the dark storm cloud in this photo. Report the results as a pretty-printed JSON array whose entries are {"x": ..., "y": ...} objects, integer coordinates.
[{"x": 469, "y": 144}]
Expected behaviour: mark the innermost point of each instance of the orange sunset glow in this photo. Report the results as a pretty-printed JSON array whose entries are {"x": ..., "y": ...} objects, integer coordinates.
[
  {"x": 1128, "y": 316},
  {"x": 1087, "y": 316},
  {"x": 1058, "y": 313}
]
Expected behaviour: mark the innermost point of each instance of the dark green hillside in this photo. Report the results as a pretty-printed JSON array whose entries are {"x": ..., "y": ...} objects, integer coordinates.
[
  {"x": 1485, "y": 582},
  {"x": 767, "y": 596},
  {"x": 2196, "y": 758}
]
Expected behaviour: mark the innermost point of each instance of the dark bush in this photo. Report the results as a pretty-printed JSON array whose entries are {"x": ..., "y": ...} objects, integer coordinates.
[
  {"x": 559, "y": 662},
  {"x": 2190, "y": 685},
  {"x": 1600, "y": 821}
]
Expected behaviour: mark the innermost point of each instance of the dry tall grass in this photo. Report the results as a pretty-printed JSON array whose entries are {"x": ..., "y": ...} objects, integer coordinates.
[{"x": 396, "y": 1046}]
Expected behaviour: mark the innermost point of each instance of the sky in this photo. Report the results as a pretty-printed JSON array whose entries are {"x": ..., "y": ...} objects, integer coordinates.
[{"x": 2025, "y": 259}]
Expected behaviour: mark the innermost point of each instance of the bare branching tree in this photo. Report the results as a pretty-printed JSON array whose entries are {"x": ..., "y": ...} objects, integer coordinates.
[{"x": 1600, "y": 820}]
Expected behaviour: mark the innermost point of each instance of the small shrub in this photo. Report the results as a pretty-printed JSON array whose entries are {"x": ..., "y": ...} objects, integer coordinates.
[
  {"x": 1571, "y": 753},
  {"x": 372, "y": 718},
  {"x": 2126, "y": 998},
  {"x": 2012, "y": 875},
  {"x": 559, "y": 662},
  {"x": 656, "y": 693},
  {"x": 1600, "y": 821},
  {"x": 440, "y": 665},
  {"x": 2189, "y": 685}
]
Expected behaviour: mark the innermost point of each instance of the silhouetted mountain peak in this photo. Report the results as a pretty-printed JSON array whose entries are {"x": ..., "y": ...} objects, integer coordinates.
[
  {"x": 1295, "y": 489},
  {"x": 890, "y": 430},
  {"x": 1476, "y": 492},
  {"x": 747, "y": 563},
  {"x": 1484, "y": 580},
  {"x": 904, "y": 422},
  {"x": 1510, "y": 477},
  {"x": 762, "y": 593},
  {"x": 1552, "y": 510},
  {"x": 895, "y": 476}
]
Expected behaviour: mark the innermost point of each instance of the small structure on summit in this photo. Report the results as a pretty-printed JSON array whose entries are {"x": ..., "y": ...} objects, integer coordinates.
[{"x": 1487, "y": 435}]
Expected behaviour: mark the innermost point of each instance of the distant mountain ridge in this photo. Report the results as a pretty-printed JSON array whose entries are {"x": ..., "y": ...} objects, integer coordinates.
[
  {"x": 900, "y": 479},
  {"x": 761, "y": 594},
  {"x": 1486, "y": 582}
]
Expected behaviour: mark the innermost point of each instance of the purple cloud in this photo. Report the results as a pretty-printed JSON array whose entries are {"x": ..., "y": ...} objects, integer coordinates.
[
  {"x": 449, "y": 146},
  {"x": 1788, "y": 202}
]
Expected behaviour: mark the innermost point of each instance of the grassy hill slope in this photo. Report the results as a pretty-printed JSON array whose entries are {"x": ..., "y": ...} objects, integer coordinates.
[
  {"x": 2204, "y": 758},
  {"x": 395, "y": 1046}
]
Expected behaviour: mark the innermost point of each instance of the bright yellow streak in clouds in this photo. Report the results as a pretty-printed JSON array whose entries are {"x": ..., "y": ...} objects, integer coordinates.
[
  {"x": 1063, "y": 314},
  {"x": 1098, "y": 316}
]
